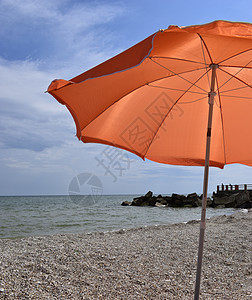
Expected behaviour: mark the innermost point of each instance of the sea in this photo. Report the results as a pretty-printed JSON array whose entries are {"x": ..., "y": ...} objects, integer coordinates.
[{"x": 23, "y": 216}]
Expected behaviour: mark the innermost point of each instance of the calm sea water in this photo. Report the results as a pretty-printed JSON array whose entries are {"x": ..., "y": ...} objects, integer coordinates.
[{"x": 46, "y": 215}]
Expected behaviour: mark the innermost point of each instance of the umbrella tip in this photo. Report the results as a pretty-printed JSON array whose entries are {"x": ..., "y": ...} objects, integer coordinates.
[{"x": 173, "y": 26}]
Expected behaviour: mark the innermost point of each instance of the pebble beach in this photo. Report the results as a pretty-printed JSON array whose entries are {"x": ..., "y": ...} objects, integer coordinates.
[{"x": 157, "y": 262}]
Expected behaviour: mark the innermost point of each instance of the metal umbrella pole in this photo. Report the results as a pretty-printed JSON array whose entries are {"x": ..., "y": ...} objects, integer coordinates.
[{"x": 205, "y": 185}]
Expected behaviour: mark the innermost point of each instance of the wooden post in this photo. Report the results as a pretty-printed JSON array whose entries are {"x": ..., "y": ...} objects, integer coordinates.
[
  {"x": 236, "y": 187},
  {"x": 218, "y": 188},
  {"x": 245, "y": 187}
]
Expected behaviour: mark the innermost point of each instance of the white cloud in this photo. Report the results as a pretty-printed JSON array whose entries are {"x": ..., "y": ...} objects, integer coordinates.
[
  {"x": 43, "y": 40},
  {"x": 30, "y": 8},
  {"x": 29, "y": 118},
  {"x": 72, "y": 16},
  {"x": 37, "y": 134},
  {"x": 64, "y": 34},
  {"x": 23, "y": 82}
]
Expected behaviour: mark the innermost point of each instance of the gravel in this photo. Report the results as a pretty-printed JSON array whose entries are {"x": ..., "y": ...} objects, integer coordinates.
[{"x": 156, "y": 262}]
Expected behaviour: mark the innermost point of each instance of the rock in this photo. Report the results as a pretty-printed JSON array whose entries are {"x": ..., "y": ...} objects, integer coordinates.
[
  {"x": 152, "y": 201},
  {"x": 209, "y": 202},
  {"x": 192, "y": 200},
  {"x": 226, "y": 200},
  {"x": 146, "y": 200},
  {"x": 148, "y": 195},
  {"x": 139, "y": 201},
  {"x": 162, "y": 201},
  {"x": 167, "y": 200},
  {"x": 178, "y": 197},
  {"x": 126, "y": 203},
  {"x": 237, "y": 199},
  {"x": 192, "y": 195},
  {"x": 196, "y": 202},
  {"x": 242, "y": 199},
  {"x": 177, "y": 200}
]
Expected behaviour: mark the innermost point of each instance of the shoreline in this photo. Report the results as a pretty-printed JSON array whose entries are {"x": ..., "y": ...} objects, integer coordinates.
[
  {"x": 43, "y": 216},
  {"x": 140, "y": 263},
  {"x": 140, "y": 227}
]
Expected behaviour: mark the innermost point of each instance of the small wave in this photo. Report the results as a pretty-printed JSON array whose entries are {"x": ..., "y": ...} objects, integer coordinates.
[
  {"x": 4, "y": 227},
  {"x": 68, "y": 225}
]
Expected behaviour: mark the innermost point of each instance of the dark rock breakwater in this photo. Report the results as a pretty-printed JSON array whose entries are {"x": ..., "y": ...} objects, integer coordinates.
[{"x": 236, "y": 199}]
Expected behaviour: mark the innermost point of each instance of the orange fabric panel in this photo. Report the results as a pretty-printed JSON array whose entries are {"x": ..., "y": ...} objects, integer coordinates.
[
  {"x": 152, "y": 99},
  {"x": 127, "y": 59},
  {"x": 238, "y": 29}
]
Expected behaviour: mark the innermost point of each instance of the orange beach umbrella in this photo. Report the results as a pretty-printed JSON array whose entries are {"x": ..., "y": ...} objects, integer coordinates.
[{"x": 170, "y": 97}]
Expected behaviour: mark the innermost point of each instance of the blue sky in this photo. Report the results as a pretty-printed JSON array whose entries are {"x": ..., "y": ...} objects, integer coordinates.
[{"x": 44, "y": 40}]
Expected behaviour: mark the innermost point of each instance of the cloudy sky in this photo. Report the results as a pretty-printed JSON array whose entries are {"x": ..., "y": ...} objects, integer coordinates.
[{"x": 44, "y": 40}]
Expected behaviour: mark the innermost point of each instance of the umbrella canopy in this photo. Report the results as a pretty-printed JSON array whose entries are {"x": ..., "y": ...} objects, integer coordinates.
[
  {"x": 152, "y": 99},
  {"x": 162, "y": 98}
]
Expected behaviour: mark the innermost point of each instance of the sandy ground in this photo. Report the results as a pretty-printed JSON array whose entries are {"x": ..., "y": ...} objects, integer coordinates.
[{"x": 145, "y": 263}]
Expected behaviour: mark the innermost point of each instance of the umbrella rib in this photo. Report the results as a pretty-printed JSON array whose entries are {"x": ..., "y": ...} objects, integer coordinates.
[
  {"x": 161, "y": 123},
  {"x": 242, "y": 67},
  {"x": 236, "y": 89},
  {"x": 166, "y": 88},
  {"x": 237, "y": 54},
  {"x": 208, "y": 52},
  {"x": 178, "y": 74},
  {"x": 234, "y": 76},
  {"x": 174, "y": 73},
  {"x": 171, "y": 89},
  {"x": 179, "y": 59},
  {"x": 222, "y": 121},
  {"x": 193, "y": 101},
  {"x": 202, "y": 43},
  {"x": 240, "y": 97},
  {"x": 135, "y": 90}
]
